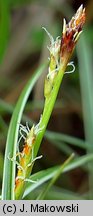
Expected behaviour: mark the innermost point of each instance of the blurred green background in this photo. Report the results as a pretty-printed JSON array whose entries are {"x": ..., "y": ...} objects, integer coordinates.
[{"x": 23, "y": 47}]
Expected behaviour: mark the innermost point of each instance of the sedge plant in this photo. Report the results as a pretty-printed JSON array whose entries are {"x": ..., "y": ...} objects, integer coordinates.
[{"x": 60, "y": 51}]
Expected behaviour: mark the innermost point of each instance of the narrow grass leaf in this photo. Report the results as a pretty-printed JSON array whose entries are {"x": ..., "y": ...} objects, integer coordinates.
[
  {"x": 84, "y": 53},
  {"x": 56, "y": 193},
  {"x": 65, "y": 138},
  {"x": 12, "y": 138},
  {"x": 54, "y": 179},
  {"x": 43, "y": 176}
]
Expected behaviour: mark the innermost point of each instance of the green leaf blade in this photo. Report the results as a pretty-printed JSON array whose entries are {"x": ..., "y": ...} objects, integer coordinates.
[
  {"x": 45, "y": 175},
  {"x": 11, "y": 145}
]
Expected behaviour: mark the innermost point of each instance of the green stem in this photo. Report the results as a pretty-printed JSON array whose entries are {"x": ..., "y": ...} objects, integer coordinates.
[{"x": 49, "y": 104}]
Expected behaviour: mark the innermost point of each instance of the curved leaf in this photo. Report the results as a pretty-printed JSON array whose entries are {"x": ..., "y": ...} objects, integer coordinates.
[
  {"x": 11, "y": 145},
  {"x": 43, "y": 176}
]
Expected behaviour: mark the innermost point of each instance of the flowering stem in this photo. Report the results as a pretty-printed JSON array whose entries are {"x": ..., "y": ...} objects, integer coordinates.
[
  {"x": 48, "y": 107},
  {"x": 60, "y": 54}
]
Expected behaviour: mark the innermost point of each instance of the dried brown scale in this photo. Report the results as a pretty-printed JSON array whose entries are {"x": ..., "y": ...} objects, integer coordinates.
[
  {"x": 67, "y": 43},
  {"x": 18, "y": 182},
  {"x": 26, "y": 149}
]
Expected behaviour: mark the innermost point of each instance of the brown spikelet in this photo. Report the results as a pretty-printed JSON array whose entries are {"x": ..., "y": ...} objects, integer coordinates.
[{"x": 71, "y": 31}]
